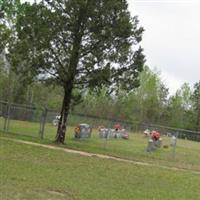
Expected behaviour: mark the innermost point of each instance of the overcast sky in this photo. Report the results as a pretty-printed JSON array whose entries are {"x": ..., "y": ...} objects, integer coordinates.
[{"x": 171, "y": 40}]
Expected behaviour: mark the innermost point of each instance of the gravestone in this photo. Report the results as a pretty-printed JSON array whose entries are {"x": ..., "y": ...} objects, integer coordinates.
[
  {"x": 83, "y": 131},
  {"x": 173, "y": 141},
  {"x": 147, "y": 133},
  {"x": 154, "y": 142},
  {"x": 173, "y": 144},
  {"x": 150, "y": 146},
  {"x": 104, "y": 133},
  {"x": 112, "y": 133},
  {"x": 158, "y": 143},
  {"x": 56, "y": 120}
]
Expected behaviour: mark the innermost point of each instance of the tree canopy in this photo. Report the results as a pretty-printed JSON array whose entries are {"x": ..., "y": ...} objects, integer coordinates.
[
  {"x": 78, "y": 44},
  {"x": 196, "y": 104}
]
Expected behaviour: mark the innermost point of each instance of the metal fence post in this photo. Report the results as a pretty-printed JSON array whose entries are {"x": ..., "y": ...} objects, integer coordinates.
[
  {"x": 173, "y": 144},
  {"x": 42, "y": 123},
  {"x": 7, "y": 118},
  {"x": 8, "y": 122}
]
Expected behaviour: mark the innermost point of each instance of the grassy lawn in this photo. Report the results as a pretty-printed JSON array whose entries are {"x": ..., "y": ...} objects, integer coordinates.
[
  {"x": 187, "y": 152},
  {"x": 28, "y": 172},
  {"x": 1, "y": 123}
]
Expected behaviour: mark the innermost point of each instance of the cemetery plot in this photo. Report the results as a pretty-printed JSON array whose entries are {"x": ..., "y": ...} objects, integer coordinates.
[
  {"x": 82, "y": 131},
  {"x": 117, "y": 132}
]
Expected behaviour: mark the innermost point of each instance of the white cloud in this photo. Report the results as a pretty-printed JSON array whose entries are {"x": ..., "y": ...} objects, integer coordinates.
[
  {"x": 171, "y": 81},
  {"x": 171, "y": 39}
]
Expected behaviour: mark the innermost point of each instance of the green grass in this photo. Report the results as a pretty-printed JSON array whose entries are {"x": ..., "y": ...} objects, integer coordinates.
[
  {"x": 1, "y": 123},
  {"x": 187, "y": 152},
  {"x": 29, "y": 172}
]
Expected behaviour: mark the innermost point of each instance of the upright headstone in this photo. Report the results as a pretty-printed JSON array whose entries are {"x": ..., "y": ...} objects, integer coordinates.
[
  {"x": 104, "y": 133},
  {"x": 173, "y": 141},
  {"x": 158, "y": 143},
  {"x": 147, "y": 133},
  {"x": 150, "y": 146},
  {"x": 154, "y": 142},
  {"x": 125, "y": 134},
  {"x": 173, "y": 144},
  {"x": 83, "y": 131}
]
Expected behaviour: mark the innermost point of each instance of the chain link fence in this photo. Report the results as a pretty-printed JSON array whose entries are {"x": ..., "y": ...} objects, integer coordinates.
[
  {"x": 37, "y": 122},
  {"x": 169, "y": 131},
  {"x": 21, "y": 119}
]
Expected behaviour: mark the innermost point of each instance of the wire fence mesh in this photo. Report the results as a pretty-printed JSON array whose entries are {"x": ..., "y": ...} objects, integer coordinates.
[
  {"x": 20, "y": 119},
  {"x": 38, "y": 122}
]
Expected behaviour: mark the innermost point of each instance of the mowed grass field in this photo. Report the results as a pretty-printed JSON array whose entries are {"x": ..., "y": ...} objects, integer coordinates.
[
  {"x": 30, "y": 172},
  {"x": 38, "y": 173},
  {"x": 187, "y": 152}
]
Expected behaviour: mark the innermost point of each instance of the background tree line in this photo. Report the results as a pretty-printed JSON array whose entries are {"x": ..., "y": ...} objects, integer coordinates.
[{"x": 149, "y": 103}]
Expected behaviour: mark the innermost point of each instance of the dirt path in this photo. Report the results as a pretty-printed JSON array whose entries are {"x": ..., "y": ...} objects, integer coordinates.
[{"x": 83, "y": 153}]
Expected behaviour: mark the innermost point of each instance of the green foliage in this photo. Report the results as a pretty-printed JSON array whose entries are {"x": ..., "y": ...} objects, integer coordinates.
[
  {"x": 79, "y": 41},
  {"x": 46, "y": 96},
  {"x": 3, "y": 79},
  {"x": 147, "y": 103},
  {"x": 12, "y": 88},
  {"x": 4, "y": 35},
  {"x": 180, "y": 108},
  {"x": 196, "y": 105},
  {"x": 150, "y": 96},
  {"x": 77, "y": 44},
  {"x": 8, "y": 12}
]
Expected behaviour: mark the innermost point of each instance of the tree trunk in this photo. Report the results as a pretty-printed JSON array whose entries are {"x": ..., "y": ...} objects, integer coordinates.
[
  {"x": 78, "y": 33},
  {"x": 60, "y": 136}
]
